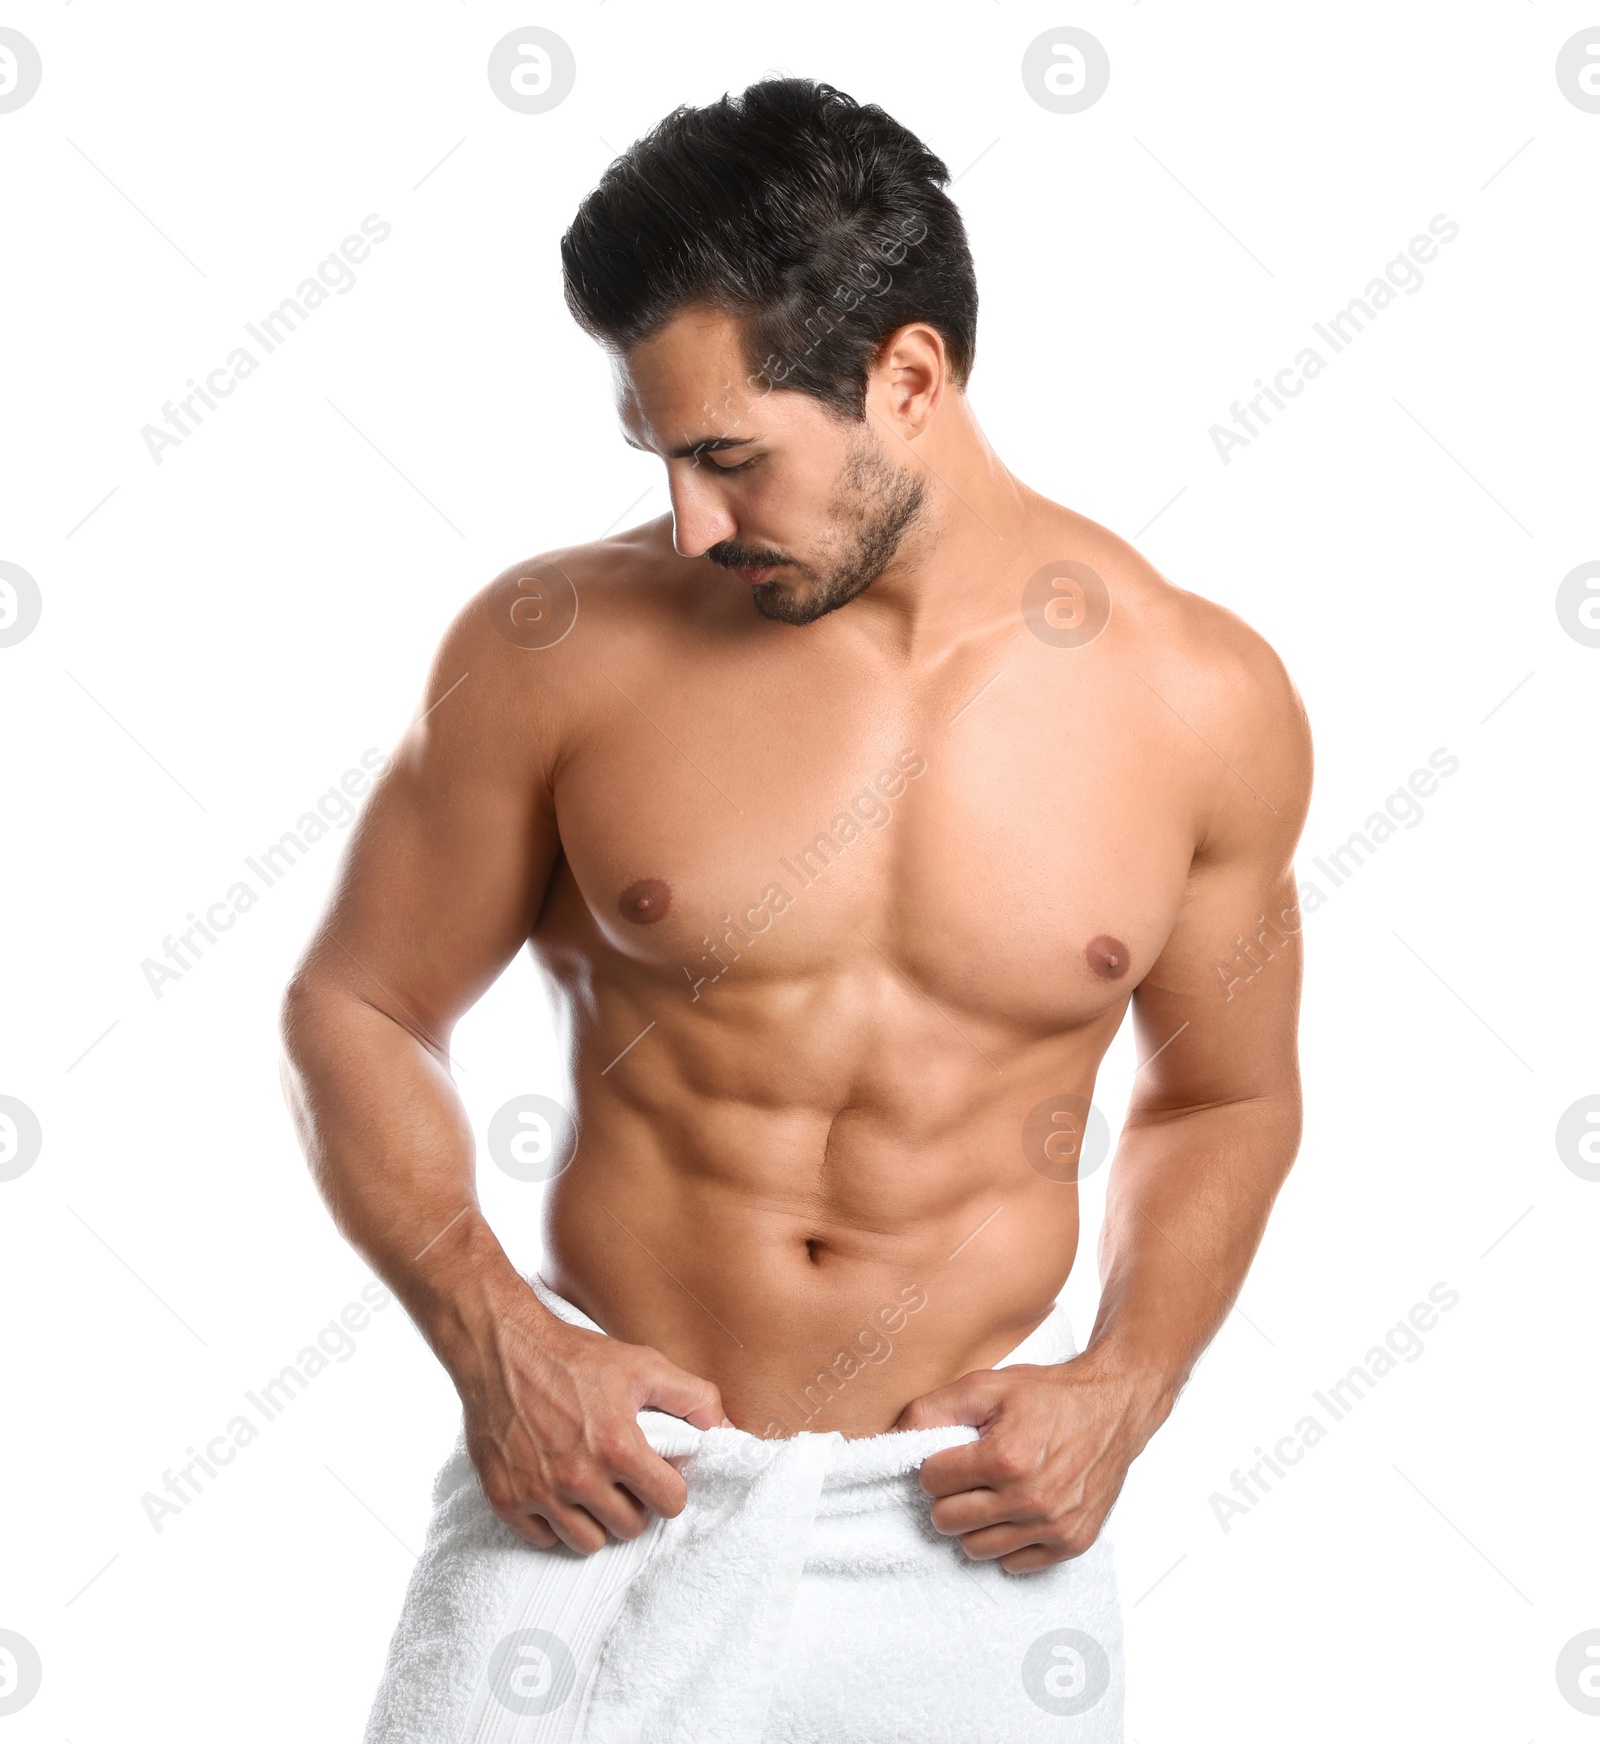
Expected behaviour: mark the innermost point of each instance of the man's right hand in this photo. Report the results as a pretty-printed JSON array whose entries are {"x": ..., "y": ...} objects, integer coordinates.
[{"x": 551, "y": 1428}]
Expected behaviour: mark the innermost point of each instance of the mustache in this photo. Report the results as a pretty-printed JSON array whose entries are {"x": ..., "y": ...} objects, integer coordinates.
[{"x": 732, "y": 555}]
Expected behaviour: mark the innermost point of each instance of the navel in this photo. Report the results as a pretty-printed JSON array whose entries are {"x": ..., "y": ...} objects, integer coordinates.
[
  {"x": 646, "y": 902},
  {"x": 1108, "y": 957}
]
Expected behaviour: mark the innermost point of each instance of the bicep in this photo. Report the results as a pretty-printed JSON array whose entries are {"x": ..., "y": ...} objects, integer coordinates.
[
  {"x": 1216, "y": 1016},
  {"x": 448, "y": 864}
]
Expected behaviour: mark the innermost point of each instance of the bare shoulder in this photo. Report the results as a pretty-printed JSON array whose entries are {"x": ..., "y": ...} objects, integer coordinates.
[
  {"x": 564, "y": 602},
  {"x": 522, "y": 654},
  {"x": 1232, "y": 703}
]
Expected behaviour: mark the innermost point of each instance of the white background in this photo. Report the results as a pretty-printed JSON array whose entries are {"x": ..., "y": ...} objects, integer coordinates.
[{"x": 225, "y": 633}]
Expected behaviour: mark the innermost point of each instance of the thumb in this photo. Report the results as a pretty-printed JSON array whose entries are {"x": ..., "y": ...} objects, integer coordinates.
[
  {"x": 680, "y": 1394},
  {"x": 970, "y": 1400}
]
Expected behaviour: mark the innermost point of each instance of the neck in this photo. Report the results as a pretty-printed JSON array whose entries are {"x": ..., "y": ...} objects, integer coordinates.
[{"x": 965, "y": 556}]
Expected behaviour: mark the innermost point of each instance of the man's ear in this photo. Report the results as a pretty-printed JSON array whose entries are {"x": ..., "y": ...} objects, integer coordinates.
[{"x": 908, "y": 380}]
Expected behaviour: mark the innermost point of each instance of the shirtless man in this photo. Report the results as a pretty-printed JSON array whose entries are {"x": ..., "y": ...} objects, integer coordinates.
[{"x": 847, "y": 809}]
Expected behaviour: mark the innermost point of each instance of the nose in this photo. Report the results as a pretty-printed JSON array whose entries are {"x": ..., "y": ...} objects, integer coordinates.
[{"x": 699, "y": 518}]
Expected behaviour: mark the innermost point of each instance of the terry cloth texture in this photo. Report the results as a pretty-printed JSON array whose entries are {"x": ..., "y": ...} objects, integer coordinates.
[{"x": 803, "y": 1596}]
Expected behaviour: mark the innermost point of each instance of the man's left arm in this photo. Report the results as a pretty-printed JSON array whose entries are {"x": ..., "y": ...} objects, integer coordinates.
[{"x": 1212, "y": 1130}]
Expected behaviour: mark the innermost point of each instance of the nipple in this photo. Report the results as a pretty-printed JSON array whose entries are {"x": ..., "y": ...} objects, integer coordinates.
[
  {"x": 646, "y": 902},
  {"x": 1108, "y": 957}
]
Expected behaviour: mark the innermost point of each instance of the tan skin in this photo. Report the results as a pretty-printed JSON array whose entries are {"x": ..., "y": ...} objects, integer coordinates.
[{"x": 794, "y": 1138}]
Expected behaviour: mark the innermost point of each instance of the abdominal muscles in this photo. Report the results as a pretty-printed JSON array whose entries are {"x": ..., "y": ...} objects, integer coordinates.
[{"x": 827, "y": 1205}]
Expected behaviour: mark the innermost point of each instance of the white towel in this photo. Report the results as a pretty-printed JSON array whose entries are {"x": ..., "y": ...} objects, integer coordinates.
[{"x": 803, "y": 1596}]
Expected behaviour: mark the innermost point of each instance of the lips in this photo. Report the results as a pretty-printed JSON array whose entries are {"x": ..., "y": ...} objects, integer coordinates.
[{"x": 756, "y": 576}]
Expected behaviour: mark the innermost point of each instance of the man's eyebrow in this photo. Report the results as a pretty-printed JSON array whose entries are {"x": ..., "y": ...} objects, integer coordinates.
[{"x": 705, "y": 445}]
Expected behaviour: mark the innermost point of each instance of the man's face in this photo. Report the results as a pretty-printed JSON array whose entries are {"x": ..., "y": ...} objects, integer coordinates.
[{"x": 805, "y": 507}]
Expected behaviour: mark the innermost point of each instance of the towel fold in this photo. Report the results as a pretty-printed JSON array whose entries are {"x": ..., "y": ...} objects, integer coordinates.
[{"x": 802, "y": 1596}]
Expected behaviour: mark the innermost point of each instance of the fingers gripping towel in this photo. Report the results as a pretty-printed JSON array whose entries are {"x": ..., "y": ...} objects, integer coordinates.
[{"x": 803, "y": 1596}]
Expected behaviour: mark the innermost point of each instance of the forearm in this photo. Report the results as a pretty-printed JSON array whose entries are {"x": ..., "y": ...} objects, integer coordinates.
[
  {"x": 391, "y": 1150},
  {"x": 1186, "y": 1206}
]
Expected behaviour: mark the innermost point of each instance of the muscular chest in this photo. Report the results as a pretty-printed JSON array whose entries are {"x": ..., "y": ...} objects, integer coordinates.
[{"x": 1001, "y": 845}]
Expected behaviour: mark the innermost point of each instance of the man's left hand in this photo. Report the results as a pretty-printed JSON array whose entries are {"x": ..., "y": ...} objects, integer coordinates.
[{"x": 1055, "y": 1445}]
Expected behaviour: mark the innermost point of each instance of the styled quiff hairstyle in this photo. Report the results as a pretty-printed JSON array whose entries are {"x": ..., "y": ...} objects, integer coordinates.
[{"x": 820, "y": 222}]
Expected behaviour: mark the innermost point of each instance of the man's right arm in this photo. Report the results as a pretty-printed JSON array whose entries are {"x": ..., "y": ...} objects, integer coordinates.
[{"x": 440, "y": 887}]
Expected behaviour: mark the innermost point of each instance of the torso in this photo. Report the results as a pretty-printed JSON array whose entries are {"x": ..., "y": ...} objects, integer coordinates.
[{"x": 828, "y": 1091}]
